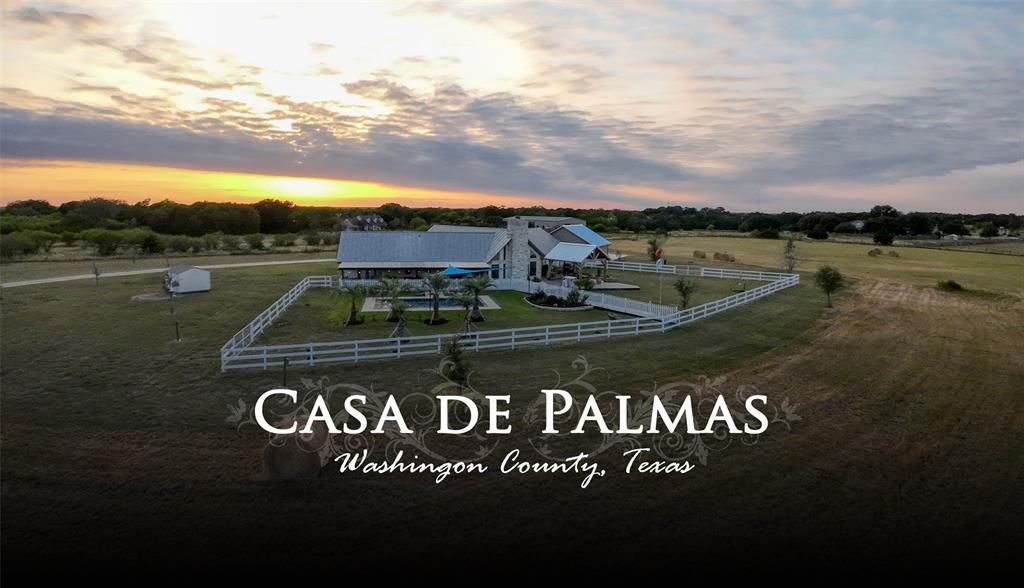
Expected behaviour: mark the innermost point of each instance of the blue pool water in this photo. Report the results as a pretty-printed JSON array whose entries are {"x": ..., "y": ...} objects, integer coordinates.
[{"x": 446, "y": 303}]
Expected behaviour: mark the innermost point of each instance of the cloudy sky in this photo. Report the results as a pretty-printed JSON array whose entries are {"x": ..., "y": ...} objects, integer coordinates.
[{"x": 769, "y": 106}]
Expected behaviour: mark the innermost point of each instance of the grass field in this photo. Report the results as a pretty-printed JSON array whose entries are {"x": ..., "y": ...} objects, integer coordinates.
[
  {"x": 916, "y": 266},
  {"x": 32, "y": 270},
  {"x": 910, "y": 401}
]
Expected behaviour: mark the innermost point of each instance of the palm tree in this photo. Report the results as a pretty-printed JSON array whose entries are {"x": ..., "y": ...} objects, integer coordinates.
[
  {"x": 355, "y": 292},
  {"x": 435, "y": 284},
  {"x": 465, "y": 299},
  {"x": 398, "y": 308},
  {"x": 393, "y": 289},
  {"x": 476, "y": 285}
]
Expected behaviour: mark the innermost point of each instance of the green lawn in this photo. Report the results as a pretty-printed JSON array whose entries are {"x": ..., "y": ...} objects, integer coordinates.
[{"x": 308, "y": 319}]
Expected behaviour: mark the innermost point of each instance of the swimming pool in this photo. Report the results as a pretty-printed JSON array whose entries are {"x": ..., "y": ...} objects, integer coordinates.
[{"x": 423, "y": 303}]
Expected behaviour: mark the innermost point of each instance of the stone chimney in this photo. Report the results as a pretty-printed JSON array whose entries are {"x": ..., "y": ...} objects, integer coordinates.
[{"x": 519, "y": 249}]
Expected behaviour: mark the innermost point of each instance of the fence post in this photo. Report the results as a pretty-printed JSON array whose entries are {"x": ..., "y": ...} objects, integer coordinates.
[
  {"x": 264, "y": 358},
  {"x": 579, "y": 332}
]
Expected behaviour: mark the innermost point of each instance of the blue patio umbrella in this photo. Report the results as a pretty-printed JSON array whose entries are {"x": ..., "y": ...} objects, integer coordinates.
[{"x": 458, "y": 271}]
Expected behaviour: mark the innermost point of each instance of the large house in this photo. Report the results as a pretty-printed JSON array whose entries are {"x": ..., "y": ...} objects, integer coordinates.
[{"x": 526, "y": 247}]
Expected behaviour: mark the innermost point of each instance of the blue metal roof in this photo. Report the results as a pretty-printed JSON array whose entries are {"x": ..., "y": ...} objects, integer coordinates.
[{"x": 587, "y": 234}]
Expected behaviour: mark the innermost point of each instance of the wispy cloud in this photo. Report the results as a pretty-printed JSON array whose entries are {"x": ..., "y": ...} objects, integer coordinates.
[{"x": 731, "y": 104}]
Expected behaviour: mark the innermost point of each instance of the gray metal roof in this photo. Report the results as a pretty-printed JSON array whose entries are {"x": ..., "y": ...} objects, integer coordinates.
[
  {"x": 415, "y": 247},
  {"x": 461, "y": 229},
  {"x": 542, "y": 240}
]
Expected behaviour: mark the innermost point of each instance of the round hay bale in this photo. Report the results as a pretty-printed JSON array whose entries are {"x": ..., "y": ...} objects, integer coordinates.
[
  {"x": 893, "y": 254},
  {"x": 697, "y": 253}
]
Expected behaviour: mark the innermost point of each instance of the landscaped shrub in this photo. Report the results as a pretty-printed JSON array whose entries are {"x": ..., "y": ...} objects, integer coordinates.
[
  {"x": 949, "y": 286},
  {"x": 254, "y": 241},
  {"x": 585, "y": 284},
  {"x": 575, "y": 298},
  {"x": 283, "y": 240}
]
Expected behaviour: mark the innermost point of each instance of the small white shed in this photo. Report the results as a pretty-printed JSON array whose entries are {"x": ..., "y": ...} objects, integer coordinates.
[{"x": 180, "y": 279}]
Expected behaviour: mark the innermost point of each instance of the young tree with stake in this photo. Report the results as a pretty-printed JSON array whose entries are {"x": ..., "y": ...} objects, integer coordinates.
[
  {"x": 685, "y": 288},
  {"x": 829, "y": 280}
]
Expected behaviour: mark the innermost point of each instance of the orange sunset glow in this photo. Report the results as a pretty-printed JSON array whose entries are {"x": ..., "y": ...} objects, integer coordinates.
[{"x": 63, "y": 181}]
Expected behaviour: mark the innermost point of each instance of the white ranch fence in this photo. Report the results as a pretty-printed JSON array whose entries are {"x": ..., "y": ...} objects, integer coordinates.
[{"x": 240, "y": 352}]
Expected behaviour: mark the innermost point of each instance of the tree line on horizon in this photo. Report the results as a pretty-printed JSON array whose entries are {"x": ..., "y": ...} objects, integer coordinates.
[
  {"x": 280, "y": 216},
  {"x": 153, "y": 226}
]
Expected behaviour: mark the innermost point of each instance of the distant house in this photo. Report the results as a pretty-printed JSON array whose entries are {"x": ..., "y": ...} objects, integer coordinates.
[
  {"x": 548, "y": 222},
  {"x": 527, "y": 247},
  {"x": 181, "y": 279},
  {"x": 363, "y": 222}
]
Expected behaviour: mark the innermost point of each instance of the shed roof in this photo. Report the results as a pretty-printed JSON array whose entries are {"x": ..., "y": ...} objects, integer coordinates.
[{"x": 178, "y": 269}]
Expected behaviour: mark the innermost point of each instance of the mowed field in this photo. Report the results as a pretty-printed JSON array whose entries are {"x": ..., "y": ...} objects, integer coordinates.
[
  {"x": 909, "y": 444},
  {"x": 41, "y": 269},
  {"x": 914, "y": 266}
]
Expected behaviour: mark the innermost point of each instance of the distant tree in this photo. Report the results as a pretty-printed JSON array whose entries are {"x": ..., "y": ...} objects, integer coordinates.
[
  {"x": 790, "y": 256},
  {"x": 884, "y": 210},
  {"x": 818, "y": 232},
  {"x": 275, "y": 215},
  {"x": 685, "y": 288},
  {"x": 152, "y": 243},
  {"x": 254, "y": 241},
  {"x": 30, "y": 207},
  {"x": 954, "y": 227},
  {"x": 883, "y": 237},
  {"x": 283, "y": 239},
  {"x": 211, "y": 241},
  {"x": 829, "y": 280},
  {"x": 418, "y": 224},
  {"x": 231, "y": 242},
  {"x": 989, "y": 230}
]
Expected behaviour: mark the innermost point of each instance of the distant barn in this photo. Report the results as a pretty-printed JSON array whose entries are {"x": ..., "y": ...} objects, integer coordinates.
[{"x": 181, "y": 279}]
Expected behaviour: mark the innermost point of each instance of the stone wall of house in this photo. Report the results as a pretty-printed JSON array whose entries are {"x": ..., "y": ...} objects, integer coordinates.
[{"x": 519, "y": 249}]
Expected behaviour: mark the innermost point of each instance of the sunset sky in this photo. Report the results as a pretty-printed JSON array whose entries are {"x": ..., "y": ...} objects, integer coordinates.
[{"x": 768, "y": 106}]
